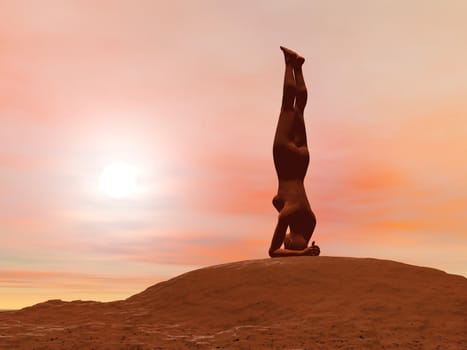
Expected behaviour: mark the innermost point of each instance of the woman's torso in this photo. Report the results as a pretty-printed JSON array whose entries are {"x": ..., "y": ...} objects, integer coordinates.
[
  {"x": 291, "y": 159},
  {"x": 291, "y": 201}
]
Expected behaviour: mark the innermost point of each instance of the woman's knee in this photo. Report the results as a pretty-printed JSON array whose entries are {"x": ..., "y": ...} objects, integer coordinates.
[
  {"x": 301, "y": 98},
  {"x": 289, "y": 96},
  {"x": 290, "y": 90}
]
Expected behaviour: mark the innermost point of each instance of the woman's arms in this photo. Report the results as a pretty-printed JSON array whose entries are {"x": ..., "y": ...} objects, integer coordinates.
[
  {"x": 308, "y": 251},
  {"x": 275, "y": 249}
]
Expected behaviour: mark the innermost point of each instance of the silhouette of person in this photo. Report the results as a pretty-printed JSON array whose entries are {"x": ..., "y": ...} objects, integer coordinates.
[{"x": 291, "y": 158}]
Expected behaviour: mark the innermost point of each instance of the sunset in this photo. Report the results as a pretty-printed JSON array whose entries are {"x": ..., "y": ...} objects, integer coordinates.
[
  {"x": 164, "y": 186},
  {"x": 137, "y": 137}
]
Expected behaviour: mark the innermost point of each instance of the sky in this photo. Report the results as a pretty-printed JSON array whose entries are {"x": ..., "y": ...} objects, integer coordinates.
[{"x": 188, "y": 93}]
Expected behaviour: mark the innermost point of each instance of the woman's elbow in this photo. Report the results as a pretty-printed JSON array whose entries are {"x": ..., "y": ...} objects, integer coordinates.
[{"x": 272, "y": 253}]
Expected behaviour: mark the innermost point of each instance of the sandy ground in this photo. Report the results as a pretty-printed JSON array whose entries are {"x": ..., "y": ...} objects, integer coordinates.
[{"x": 283, "y": 303}]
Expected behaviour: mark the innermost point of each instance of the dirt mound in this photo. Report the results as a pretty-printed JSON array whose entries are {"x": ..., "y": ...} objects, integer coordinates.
[{"x": 299, "y": 303}]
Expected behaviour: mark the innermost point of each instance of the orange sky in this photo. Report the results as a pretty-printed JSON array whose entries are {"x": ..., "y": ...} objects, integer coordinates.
[{"x": 172, "y": 88}]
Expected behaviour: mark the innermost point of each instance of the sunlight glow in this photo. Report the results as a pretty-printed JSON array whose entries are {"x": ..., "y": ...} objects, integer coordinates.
[{"x": 118, "y": 180}]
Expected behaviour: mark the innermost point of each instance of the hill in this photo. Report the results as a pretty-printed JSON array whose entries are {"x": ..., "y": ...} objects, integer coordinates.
[{"x": 281, "y": 303}]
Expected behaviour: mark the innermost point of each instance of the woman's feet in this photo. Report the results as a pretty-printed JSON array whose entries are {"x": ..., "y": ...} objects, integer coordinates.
[
  {"x": 299, "y": 61},
  {"x": 292, "y": 57}
]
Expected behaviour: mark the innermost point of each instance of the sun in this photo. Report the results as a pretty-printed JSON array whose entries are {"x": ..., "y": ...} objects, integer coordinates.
[{"x": 118, "y": 180}]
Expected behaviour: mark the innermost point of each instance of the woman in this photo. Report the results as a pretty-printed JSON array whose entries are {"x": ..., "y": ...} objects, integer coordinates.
[{"x": 291, "y": 158}]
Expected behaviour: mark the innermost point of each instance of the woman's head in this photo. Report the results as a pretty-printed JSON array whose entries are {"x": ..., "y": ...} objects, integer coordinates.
[{"x": 294, "y": 242}]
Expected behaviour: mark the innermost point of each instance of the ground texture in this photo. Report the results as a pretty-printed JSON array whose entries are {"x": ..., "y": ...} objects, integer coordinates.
[{"x": 283, "y": 303}]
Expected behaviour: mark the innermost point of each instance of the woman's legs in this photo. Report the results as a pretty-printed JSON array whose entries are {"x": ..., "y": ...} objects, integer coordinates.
[
  {"x": 291, "y": 125},
  {"x": 294, "y": 83},
  {"x": 301, "y": 91},
  {"x": 301, "y": 96},
  {"x": 300, "y": 103},
  {"x": 289, "y": 91},
  {"x": 285, "y": 126}
]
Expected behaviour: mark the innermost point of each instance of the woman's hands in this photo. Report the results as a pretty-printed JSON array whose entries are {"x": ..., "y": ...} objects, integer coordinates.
[{"x": 313, "y": 250}]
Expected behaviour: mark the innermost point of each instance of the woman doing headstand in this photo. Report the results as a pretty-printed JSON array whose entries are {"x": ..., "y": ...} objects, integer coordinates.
[{"x": 291, "y": 158}]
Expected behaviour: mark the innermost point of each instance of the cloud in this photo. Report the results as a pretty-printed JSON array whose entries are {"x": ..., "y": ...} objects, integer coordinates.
[
  {"x": 197, "y": 248},
  {"x": 26, "y": 287}
]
